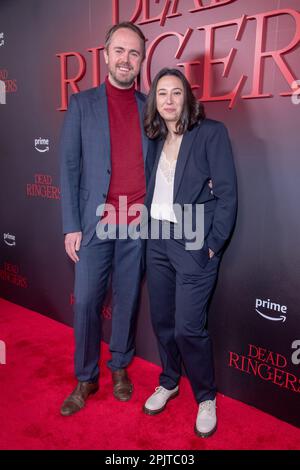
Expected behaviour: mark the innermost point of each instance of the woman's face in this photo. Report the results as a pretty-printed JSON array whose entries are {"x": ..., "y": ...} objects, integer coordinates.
[{"x": 170, "y": 98}]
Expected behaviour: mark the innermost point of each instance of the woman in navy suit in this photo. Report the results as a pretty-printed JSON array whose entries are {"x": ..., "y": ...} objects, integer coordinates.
[{"x": 188, "y": 150}]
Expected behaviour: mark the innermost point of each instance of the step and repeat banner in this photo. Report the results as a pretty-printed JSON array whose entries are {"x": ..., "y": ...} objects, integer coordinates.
[{"x": 242, "y": 59}]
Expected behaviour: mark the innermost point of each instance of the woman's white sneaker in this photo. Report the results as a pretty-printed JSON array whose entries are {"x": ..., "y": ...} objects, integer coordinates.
[
  {"x": 158, "y": 400},
  {"x": 206, "y": 422}
]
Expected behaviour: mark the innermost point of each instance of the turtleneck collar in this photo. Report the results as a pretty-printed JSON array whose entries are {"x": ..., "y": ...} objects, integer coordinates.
[{"x": 114, "y": 92}]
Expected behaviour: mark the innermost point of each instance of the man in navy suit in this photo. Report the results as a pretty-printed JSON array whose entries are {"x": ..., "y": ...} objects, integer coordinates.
[{"x": 103, "y": 151}]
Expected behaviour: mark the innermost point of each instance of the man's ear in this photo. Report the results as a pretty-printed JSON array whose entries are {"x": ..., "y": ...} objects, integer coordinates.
[{"x": 106, "y": 55}]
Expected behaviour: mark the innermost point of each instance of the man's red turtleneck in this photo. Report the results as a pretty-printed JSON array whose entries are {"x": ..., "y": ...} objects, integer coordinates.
[{"x": 127, "y": 164}]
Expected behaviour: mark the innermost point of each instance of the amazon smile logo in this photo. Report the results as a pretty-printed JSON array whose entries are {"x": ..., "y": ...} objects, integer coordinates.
[
  {"x": 271, "y": 310},
  {"x": 41, "y": 145},
  {"x": 9, "y": 239}
]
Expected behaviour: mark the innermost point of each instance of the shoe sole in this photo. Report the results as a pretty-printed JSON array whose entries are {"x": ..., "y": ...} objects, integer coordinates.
[
  {"x": 155, "y": 412},
  {"x": 123, "y": 399},
  {"x": 205, "y": 434}
]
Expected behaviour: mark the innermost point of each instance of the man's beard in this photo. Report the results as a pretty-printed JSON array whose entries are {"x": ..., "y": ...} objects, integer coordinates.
[{"x": 123, "y": 83}]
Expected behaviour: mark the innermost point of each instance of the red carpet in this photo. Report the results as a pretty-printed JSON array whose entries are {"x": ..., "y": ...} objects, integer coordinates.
[{"x": 38, "y": 375}]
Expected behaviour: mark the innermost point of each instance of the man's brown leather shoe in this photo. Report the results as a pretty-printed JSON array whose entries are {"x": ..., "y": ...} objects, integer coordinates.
[
  {"x": 78, "y": 397},
  {"x": 122, "y": 385}
]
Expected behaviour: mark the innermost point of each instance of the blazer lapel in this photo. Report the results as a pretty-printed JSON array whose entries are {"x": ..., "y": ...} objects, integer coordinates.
[
  {"x": 101, "y": 113},
  {"x": 152, "y": 179},
  {"x": 141, "y": 105},
  {"x": 184, "y": 151}
]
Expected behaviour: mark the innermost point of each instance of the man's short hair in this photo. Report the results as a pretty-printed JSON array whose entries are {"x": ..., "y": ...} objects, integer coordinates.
[{"x": 126, "y": 25}]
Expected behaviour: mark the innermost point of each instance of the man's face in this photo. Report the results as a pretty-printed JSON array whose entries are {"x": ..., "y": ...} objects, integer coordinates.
[{"x": 124, "y": 57}]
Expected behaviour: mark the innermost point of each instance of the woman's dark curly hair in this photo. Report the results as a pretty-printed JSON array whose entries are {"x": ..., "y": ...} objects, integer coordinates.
[{"x": 192, "y": 113}]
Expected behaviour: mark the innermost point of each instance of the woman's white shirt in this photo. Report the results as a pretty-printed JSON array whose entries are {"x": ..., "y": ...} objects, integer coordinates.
[{"x": 162, "y": 202}]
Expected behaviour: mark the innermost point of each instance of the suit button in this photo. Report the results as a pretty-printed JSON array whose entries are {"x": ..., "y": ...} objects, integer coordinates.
[
  {"x": 104, "y": 195},
  {"x": 108, "y": 171}
]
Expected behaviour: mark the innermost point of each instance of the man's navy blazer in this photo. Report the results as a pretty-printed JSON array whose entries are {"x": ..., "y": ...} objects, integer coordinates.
[
  {"x": 85, "y": 157},
  {"x": 205, "y": 153}
]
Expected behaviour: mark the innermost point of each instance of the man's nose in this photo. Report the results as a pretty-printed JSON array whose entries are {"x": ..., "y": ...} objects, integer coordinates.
[{"x": 125, "y": 57}]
